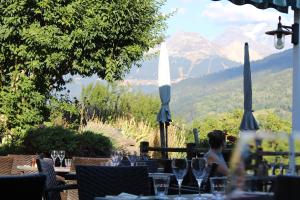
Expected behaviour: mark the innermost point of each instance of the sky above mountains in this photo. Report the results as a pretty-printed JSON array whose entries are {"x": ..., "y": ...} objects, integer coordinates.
[{"x": 211, "y": 19}]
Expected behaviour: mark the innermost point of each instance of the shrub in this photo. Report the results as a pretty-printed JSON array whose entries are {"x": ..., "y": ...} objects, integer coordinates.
[
  {"x": 91, "y": 144},
  {"x": 43, "y": 140}
]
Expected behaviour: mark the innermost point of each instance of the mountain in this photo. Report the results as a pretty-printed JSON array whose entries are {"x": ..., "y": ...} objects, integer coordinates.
[
  {"x": 223, "y": 91},
  {"x": 190, "y": 56}
]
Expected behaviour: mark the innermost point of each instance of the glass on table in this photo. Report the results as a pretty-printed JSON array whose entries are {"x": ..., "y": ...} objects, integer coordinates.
[
  {"x": 132, "y": 158},
  {"x": 61, "y": 156},
  {"x": 68, "y": 162},
  {"x": 116, "y": 157},
  {"x": 179, "y": 168},
  {"x": 161, "y": 183},
  {"x": 198, "y": 168},
  {"x": 251, "y": 160},
  {"x": 54, "y": 155},
  {"x": 218, "y": 187}
]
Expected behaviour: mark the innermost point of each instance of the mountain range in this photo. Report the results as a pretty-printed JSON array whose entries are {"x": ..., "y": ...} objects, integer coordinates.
[{"x": 207, "y": 75}]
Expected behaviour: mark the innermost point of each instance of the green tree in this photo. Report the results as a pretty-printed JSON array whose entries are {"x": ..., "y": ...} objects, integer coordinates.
[
  {"x": 44, "y": 40},
  {"x": 49, "y": 39}
]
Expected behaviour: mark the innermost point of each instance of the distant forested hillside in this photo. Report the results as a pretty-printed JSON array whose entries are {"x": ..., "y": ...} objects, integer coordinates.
[{"x": 222, "y": 92}]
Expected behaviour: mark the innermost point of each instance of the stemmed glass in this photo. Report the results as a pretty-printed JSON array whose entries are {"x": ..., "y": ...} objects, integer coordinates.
[
  {"x": 61, "y": 156},
  {"x": 116, "y": 158},
  {"x": 132, "y": 158},
  {"x": 198, "y": 167},
  {"x": 179, "y": 168},
  {"x": 54, "y": 155}
]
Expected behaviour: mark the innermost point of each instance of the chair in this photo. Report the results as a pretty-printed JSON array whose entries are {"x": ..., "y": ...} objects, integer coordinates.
[
  {"x": 16, "y": 187},
  {"x": 88, "y": 161},
  {"x": 152, "y": 165},
  {"x": 287, "y": 187},
  {"x": 20, "y": 159},
  {"x": 91, "y": 161},
  {"x": 99, "y": 181},
  {"x": 6, "y": 164},
  {"x": 52, "y": 186}
]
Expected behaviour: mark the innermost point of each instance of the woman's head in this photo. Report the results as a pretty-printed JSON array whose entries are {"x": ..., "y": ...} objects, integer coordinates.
[{"x": 216, "y": 139}]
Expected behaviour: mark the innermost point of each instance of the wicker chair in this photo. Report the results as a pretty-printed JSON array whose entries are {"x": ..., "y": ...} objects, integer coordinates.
[
  {"x": 6, "y": 164},
  {"x": 52, "y": 186},
  {"x": 22, "y": 160},
  {"x": 29, "y": 186},
  {"x": 94, "y": 181},
  {"x": 88, "y": 161}
]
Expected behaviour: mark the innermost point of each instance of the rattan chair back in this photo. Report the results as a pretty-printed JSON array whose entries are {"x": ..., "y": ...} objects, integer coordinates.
[
  {"x": 99, "y": 181},
  {"x": 29, "y": 186},
  {"x": 47, "y": 168},
  {"x": 6, "y": 164},
  {"x": 91, "y": 161}
]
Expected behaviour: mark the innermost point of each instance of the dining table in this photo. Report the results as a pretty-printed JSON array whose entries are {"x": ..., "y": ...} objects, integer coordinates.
[
  {"x": 34, "y": 168},
  {"x": 208, "y": 196}
]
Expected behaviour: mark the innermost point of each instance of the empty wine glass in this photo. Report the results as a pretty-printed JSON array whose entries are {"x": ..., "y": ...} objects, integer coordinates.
[
  {"x": 61, "y": 156},
  {"x": 198, "y": 167},
  {"x": 54, "y": 155},
  {"x": 132, "y": 158},
  {"x": 116, "y": 158},
  {"x": 179, "y": 168}
]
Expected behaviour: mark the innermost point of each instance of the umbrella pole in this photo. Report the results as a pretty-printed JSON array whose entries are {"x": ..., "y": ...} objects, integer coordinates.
[
  {"x": 162, "y": 139},
  {"x": 166, "y": 126}
]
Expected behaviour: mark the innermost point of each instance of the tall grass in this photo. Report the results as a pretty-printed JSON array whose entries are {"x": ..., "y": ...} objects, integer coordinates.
[{"x": 140, "y": 131}]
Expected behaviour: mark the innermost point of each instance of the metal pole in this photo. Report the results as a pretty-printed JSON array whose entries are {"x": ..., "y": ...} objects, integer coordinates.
[
  {"x": 296, "y": 97},
  {"x": 162, "y": 138},
  {"x": 166, "y": 152}
]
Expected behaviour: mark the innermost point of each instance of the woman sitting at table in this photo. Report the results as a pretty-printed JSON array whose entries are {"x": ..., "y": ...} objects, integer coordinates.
[{"x": 216, "y": 140}]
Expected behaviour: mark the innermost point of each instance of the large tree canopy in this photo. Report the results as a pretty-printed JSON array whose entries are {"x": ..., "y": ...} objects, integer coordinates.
[
  {"x": 47, "y": 39},
  {"x": 41, "y": 41}
]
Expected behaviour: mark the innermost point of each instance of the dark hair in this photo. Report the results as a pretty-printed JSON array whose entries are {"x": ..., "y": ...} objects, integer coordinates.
[{"x": 216, "y": 138}]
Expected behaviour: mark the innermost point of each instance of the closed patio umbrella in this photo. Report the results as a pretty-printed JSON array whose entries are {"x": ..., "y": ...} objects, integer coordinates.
[
  {"x": 283, "y": 6},
  {"x": 164, "y": 84},
  {"x": 248, "y": 122}
]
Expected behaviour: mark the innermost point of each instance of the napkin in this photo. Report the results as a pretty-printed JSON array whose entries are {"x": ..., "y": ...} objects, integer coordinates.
[{"x": 123, "y": 196}]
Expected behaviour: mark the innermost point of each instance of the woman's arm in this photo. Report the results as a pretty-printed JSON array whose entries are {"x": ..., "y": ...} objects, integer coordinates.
[{"x": 222, "y": 167}]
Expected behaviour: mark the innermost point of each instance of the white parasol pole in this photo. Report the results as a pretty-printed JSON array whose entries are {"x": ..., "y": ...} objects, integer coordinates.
[{"x": 296, "y": 97}]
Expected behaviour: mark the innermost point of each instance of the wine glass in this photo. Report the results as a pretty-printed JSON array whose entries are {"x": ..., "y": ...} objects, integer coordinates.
[
  {"x": 179, "y": 168},
  {"x": 116, "y": 158},
  {"x": 198, "y": 167},
  {"x": 132, "y": 158},
  {"x": 54, "y": 155},
  {"x": 61, "y": 156}
]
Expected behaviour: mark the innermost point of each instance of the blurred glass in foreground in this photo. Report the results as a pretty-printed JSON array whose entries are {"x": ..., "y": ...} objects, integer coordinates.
[{"x": 257, "y": 157}]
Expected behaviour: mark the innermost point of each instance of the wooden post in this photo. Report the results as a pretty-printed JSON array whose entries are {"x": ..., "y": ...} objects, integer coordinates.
[
  {"x": 144, "y": 148},
  {"x": 190, "y": 150}
]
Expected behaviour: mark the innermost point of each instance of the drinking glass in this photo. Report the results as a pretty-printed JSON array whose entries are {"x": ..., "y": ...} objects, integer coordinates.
[
  {"x": 218, "y": 186},
  {"x": 132, "y": 159},
  {"x": 198, "y": 167},
  {"x": 161, "y": 184},
  {"x": 179, "y": 168},
  {"x": 68, "y": 162},
  {"x": 61, "y": 156},
  {"x": 54, "y": 155},
  {"x": 116, "y": 158},
  {"x": 253, "y": 153}
]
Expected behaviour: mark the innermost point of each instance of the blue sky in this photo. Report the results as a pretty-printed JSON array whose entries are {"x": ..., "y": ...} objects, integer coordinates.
[{"x": 210, "y": 18}]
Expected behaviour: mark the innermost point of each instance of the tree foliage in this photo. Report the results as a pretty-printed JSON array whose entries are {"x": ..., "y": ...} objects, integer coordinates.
[
  {"x": 112, "y": 101},
  {"x": 49, "y": 39},
  {"x": 41, "y": 41}
]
